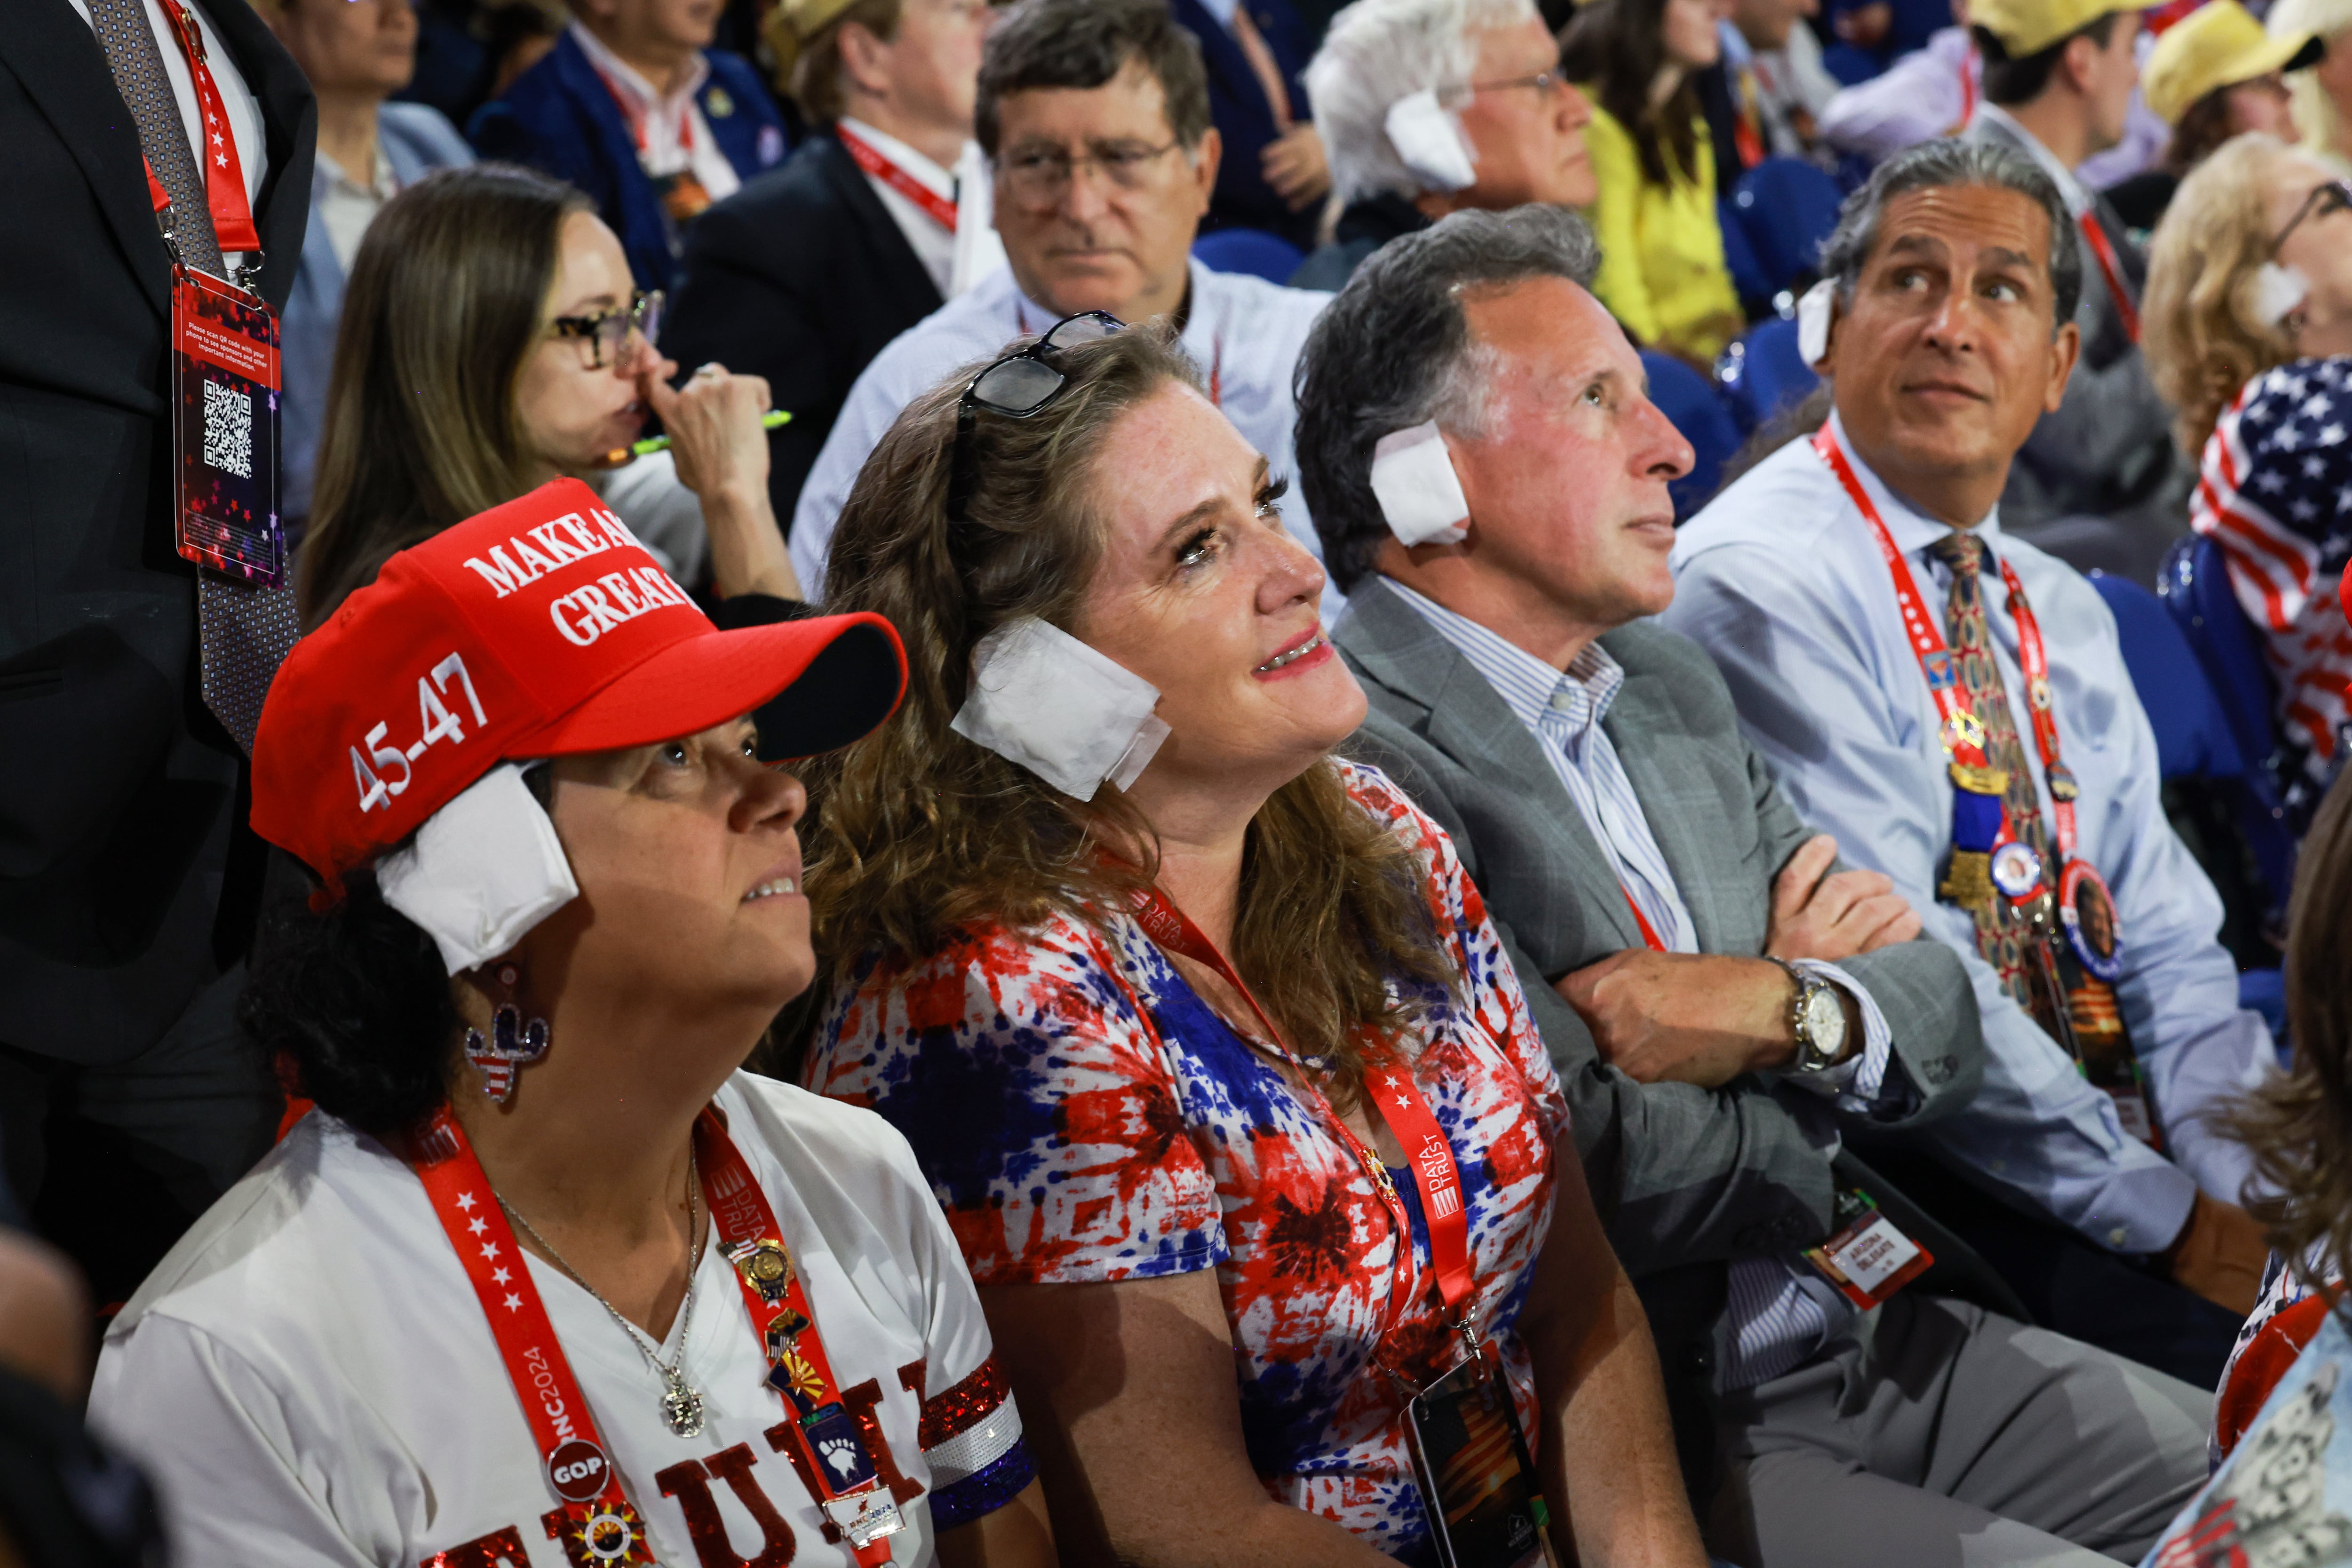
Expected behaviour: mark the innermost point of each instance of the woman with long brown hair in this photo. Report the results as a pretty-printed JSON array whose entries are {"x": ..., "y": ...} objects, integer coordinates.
[
  {"x": 1662, "y": 267},
  {"x": 1200, "y": 1033},
  {"x": 491, "y": 340}
]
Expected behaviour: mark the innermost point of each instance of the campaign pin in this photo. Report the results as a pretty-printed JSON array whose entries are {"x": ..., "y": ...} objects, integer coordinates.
[
  {"x": 2016, "y": 869},
  {"x": 578, "y": 1470}
]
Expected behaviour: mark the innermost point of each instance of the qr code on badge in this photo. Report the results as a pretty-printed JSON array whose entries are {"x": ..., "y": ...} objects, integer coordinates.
[{"x": 229, "y": 429}]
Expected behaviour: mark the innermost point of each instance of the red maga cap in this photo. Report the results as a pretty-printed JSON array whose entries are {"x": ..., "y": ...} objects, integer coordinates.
[{"x": 537, "y": 629}]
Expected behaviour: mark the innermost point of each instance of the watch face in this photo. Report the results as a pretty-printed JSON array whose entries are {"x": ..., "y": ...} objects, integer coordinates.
[{"x": 1825, "y": 1020}]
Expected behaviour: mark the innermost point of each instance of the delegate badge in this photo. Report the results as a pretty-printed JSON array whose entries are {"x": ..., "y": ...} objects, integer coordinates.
[
  {"x": 2087, "y": 910},
  {"x": 225, "y": 429},
  {"x": 866, "y": 1518},
  {"x": 1869, "y": 1259},
  {"x": 2016, "y": 870}
]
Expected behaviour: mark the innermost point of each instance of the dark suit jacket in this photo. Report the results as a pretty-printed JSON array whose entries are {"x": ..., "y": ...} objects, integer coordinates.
[
  {"x": 1244, "y": 117},
  {"x": 560, "y": 117},
  {"x": 801, "y": 277},
  {"x": 118, "y": 790},
  {"x": 1681, "y": 1174}
]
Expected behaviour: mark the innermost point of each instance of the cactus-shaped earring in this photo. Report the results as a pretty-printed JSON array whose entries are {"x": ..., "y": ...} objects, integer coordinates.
[{"x": 511, "y": 1042}]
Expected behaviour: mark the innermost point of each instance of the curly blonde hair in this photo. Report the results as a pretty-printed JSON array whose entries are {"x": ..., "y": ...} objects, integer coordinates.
[
  {"x": 919, "y": 832},
  {"x": 2199, "y": 332}
]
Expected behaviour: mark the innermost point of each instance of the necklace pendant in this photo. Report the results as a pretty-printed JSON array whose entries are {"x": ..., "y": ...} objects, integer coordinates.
[{"x": 681, "y": 1406}]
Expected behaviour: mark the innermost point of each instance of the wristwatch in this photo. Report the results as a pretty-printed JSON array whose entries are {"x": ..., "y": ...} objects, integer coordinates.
[{"x": 1817, "y": 1016}]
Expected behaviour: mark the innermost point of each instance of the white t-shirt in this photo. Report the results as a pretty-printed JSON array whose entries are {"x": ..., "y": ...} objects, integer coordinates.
[{"x": 308, "y": 1377}]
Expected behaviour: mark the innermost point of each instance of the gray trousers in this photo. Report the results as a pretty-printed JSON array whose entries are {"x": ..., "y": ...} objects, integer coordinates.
[{"x": 1941, "y": 1436}]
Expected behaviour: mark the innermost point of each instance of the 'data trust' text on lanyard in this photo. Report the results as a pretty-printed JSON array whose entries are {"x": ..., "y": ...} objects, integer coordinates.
[
  {"x": 225, "y": 376},
  {"x": 2072, "y": 982}
]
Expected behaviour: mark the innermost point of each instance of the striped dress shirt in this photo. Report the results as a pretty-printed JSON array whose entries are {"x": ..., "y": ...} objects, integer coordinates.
[{"x": 1779, "y": 1311}]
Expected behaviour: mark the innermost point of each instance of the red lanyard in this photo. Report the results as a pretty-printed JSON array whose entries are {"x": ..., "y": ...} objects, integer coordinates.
[
  {"x": 1649, "y": 931},
  {"x": 881, "y": 166},
  {"x": 1968, "y": 66},
  {"x": 579, "y": 1465},
  {"x": 2101, "y": 248},
  {"x": 1390, "y": 1087},
  {"x": 743, "y": 1225},
  {"x": 1962, "y": 730},
  {"x": 1747, "y": 133},
  {"x": 224, "y": 173},
  {"x": 626, "y": 101}
]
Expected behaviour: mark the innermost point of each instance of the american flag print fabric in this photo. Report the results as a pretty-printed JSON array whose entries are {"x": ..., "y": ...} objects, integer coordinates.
[
  {"x": 1083, "y": 1116},
  {"x": 2274, "y": 491}
]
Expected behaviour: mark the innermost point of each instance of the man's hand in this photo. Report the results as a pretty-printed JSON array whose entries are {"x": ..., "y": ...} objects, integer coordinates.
[
  {"x": 2219, "y": 1254},
  {"x": 1294, "y": 165},
  {"x": 1680, "y": 1017},
  {"x": 1833, "y": 917}
]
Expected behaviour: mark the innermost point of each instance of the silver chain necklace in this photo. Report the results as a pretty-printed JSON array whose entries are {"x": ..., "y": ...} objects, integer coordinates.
[{"x": 681, "y": 1405}]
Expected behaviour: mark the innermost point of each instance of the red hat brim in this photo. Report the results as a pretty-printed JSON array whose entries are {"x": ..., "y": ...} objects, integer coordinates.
[{"x": 816, "y": 684}]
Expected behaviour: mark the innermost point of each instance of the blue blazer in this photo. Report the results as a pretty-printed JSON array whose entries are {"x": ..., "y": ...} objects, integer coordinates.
[
  {"x": 414, "y": 141},
  {"x": 1245, "y": 119},
  {"x": 558, "y": 117}
]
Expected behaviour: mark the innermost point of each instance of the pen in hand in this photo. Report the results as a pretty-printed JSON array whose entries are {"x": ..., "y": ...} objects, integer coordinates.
[{"x": 774, "y": 419}]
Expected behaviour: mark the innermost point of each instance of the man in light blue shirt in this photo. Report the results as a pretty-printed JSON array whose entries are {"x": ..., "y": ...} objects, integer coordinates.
[
  {"x": 1721, "y": 1003},
  {"x": 1956, "y": 278}
]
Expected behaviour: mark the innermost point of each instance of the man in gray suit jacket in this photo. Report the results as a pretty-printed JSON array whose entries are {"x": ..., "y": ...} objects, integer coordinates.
[{"x": 1717, "y": 997}]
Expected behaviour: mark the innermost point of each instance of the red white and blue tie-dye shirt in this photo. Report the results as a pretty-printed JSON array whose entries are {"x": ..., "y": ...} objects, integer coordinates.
[{"x": 1083, "y": 1116}]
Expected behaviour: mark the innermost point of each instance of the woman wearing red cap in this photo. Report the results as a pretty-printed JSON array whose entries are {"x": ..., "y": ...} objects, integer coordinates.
[
  {"x": 546, "y": 1278},
  {"x": 1200, "y": 1033}
]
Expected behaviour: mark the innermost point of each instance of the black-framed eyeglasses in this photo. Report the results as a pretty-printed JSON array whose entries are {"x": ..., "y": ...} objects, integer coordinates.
[
  {"x": 608, "y": 331},
  {"x": 1016, "y": 386},
  {"x": 2335, "y": 196}
]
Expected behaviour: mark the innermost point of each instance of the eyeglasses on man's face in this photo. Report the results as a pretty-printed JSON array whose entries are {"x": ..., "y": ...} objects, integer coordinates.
[
  {"x": 608, "y": 332},
  {"x": 1038, "y": 174},
  {"x": 1546, "y": 84}
]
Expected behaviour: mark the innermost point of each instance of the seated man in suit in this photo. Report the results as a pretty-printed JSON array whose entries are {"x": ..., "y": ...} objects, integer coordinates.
[
  {"x": 1504, "y": 126},
  {"x": 873, "y": 223},
  {"x": 1952, "y": 703},
  {"x": 1717, "y": 999},
  {"x": 635, "y": 107},
  {"x": 1096, "y": 116},
  {"x": 1274, "y": 176}
]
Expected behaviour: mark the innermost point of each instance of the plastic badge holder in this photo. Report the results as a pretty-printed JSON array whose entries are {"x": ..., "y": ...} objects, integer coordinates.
[
  {"x": 1069, "y": 714},
  {"x": 1814, "y": 311},
  {"x": 1429, "y": 142},
  {"x": 1869, "y": 1259},
  {"x": 225, "y": 379},
  {"x": 1419, "y": 492},
  {"x": 1479, "y": 1484}
]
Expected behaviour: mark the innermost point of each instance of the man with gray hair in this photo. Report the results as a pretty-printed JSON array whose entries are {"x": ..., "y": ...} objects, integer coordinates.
[
  {"x": 1953, "y": 704},
  {"x": 1490, "y": 479},
  {"x": 1428, "y": 106}
]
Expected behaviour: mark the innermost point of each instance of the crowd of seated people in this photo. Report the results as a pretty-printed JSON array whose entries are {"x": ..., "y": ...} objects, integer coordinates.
[{"x": 966, "y": 782}]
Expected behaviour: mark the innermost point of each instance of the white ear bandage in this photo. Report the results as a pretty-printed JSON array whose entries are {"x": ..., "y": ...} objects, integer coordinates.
[
  {"x": 481, "y": 872},
  {"x": 1815, "y": 310},
  {"x": 1071, "y": 715},
  {"x": 1430, "y": 142},
  {"x": 2277, "y": 291},
  {"x": 1419, "y": 492}
]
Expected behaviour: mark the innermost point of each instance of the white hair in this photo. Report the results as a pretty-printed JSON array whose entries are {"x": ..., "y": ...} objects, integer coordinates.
[
  {"x": 2308, "y": 106},
  {"x": 1378, "y": 51}
]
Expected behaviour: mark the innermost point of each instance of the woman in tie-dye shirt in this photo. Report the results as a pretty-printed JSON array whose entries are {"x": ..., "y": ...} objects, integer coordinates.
[{"x": 1169, "y": 1173}]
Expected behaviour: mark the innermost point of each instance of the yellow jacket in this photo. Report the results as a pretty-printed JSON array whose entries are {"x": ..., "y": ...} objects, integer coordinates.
[{"x": 1662, "y": 271}]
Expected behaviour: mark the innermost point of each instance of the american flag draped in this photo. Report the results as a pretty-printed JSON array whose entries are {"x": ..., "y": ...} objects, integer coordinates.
[{"x": 2276, "y": 493}]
